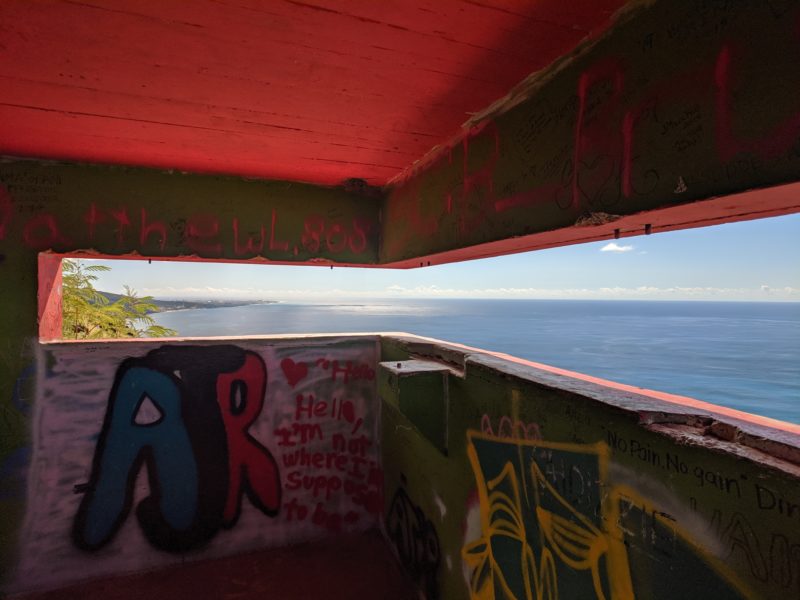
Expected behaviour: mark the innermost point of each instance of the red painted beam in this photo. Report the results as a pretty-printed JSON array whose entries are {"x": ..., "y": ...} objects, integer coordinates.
[
  {"x": 317, "y": 91},
  {"x": 744, "y": 206},
  {"x": 642, "y": 127}
]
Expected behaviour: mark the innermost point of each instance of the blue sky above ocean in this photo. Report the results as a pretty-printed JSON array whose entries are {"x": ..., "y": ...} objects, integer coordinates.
[{"x": 748, "y": 261}]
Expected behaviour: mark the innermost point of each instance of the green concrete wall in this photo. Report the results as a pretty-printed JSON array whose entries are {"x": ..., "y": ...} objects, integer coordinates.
[
  {"x": 677, "y": 102},
  {"x": 138, "y": 212},
  {"x": 557, "y": 488},
  {"x": 147, "y": 454},
  {"x": 120, "y": 211}
]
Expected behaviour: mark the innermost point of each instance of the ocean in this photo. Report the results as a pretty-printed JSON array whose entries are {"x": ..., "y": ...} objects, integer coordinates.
[{"x": 743, "y": 355}]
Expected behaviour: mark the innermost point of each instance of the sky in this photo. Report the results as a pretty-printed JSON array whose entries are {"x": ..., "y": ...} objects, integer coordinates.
[{"x": 747, "y": 261}]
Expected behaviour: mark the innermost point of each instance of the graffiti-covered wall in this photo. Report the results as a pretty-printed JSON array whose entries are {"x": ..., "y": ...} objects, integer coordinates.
[
  {"x": 551, "y": 486},
  {"x": 136, "y": 213},
  {"x": 490, "y": 478},
  {"x": 668, "y": 107},
  {"x": 147, "y": 454}
]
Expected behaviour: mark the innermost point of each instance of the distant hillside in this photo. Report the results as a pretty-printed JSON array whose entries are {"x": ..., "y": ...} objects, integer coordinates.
[{"x": 188, "y": 304}]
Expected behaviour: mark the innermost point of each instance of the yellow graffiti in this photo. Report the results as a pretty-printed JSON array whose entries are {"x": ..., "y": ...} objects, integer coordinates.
[
  {"x": 504, "y": 519},
  {"x": 575, "y": 540},
  {"x": 622, "y": 494},
  {"x": 564, "y": 535}
]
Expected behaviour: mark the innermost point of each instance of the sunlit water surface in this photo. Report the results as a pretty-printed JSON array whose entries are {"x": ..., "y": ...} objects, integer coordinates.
[{"x": 741, "y": 355}]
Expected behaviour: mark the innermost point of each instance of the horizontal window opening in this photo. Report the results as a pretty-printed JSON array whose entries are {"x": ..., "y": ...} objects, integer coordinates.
[{"x": 725, "y": 330}]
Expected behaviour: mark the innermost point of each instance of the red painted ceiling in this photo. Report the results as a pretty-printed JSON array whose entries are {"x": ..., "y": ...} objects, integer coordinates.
[{"x": 317, "y": 90}]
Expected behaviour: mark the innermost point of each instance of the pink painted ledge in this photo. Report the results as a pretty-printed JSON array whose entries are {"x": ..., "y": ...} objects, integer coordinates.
[{"x": 682, "y": 401}]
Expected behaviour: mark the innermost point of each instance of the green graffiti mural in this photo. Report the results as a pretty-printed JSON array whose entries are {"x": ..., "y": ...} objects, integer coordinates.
[{"x": 553, "y": 525}]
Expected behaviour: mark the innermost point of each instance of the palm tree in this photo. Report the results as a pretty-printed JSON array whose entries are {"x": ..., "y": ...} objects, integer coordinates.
[
  {"x": 88, "y": 314},
  {"x": 137, "y": 312}
]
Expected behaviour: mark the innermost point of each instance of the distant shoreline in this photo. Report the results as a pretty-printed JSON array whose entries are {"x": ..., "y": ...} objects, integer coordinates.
[
  {"x": 165, "y": 306},
  {"x": 207, "y": 305}
]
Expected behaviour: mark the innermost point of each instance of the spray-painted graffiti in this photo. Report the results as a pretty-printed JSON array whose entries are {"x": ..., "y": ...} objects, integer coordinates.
[
  {"x": 194, "y": 442},
  {"x": 209, "y": 448},
  {"x": 511, "y": 428},
  {"x": 343, "y": 463},
  {"x": 552, "y": 526},
  {"x": 346, "y": 463},
  {"x": 127, "y": 227},
  {"x": 614, "y": 130},
  {"x": 416, "y": 541}
]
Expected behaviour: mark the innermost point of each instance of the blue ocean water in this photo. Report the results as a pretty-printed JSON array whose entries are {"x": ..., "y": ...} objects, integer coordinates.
[{"x": 742, "y": 355}]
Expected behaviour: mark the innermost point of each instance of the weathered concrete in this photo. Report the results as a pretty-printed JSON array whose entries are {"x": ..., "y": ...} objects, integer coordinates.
[
  {"x": 499, "y": 476},
  {"x": 676, "y": 103},
  {"x": 135, "y": 213},
  {"x": 557, "y": 485},
  {"x": 482, "y": 470},
  {"x": 352, "y": 566},
  {"x": 218, "y": 447},
  {"x": 320, "y": 91},
  {"x": 119, "y": 212}
]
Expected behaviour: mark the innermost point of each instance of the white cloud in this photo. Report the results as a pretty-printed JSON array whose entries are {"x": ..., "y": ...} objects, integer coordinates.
[{"x": 614, "y": 247}]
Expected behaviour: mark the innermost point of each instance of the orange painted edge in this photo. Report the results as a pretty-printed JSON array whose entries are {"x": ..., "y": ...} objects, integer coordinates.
[
  {"x": 49, "y": 296},
  {"x": 623, "y": 387},
  {"x": 774, "y": 201},
  {"x": 684, "y": 401}
]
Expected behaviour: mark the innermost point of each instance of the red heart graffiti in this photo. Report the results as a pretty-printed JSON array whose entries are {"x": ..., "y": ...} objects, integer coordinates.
[{"x": 294, "y": 371}]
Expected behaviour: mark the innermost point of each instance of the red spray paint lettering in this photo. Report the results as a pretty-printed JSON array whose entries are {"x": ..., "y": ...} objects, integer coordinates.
[
  {"x": 202, "y": 234},
  {"x": 150, "y": 227},
  {"x": 41, "y": 232},
  {"x": 779, "y": 140},
  {"x": 250, "y": 247},
  {"x": 251, "y": 466}
]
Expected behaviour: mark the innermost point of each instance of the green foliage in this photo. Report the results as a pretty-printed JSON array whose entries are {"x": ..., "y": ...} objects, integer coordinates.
[{"x": 88, "y": 314}]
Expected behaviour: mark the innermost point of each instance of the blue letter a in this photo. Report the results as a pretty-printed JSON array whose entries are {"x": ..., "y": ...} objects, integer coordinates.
[{"x": 125, "y": 443}]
